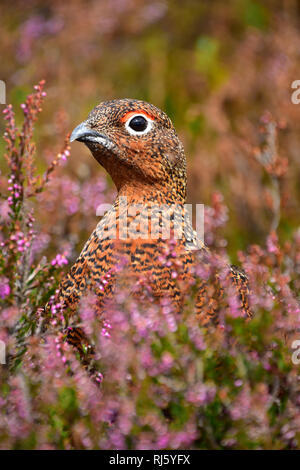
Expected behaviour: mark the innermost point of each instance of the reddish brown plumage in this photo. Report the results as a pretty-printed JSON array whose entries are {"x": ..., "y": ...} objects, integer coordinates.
[{"x": 148, "y": 167}]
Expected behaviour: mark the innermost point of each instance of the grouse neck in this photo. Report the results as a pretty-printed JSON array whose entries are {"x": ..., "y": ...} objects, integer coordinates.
[{"x": 137, "y": 192}]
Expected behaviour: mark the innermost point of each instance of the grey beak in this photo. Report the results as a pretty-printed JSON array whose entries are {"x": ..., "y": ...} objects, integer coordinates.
[
  {"x": 83, "y": 133},
  {"x": 78, "y": 132}
]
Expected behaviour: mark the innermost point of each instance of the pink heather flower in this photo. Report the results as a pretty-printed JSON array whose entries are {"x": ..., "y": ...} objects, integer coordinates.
[
  {"x": 272, "y": 244},
  {"x": 106, "y": 327},
  {"x": 201, "y": 394},
  {"x": 59, "y": 260},
  {"x": 4, "y": 287},
  {"x": 238, "y": 383}
]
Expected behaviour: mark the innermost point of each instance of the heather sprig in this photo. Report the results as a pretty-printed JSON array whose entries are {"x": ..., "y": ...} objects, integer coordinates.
[{"x": 27, "y": 283}]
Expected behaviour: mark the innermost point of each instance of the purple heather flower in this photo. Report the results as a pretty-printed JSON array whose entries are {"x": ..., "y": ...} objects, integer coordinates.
[
  {"x": 4, "y": 287},
  {"x": 59, "y": 260}
]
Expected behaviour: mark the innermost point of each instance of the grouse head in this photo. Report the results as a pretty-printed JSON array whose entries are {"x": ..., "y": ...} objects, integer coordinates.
[{"x": 136, "y": 143}]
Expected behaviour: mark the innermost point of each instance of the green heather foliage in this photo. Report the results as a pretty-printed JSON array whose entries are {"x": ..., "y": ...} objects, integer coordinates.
[{"x": 223, "y": 73}]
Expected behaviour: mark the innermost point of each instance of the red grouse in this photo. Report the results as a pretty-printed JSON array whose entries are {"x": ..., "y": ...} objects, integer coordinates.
[{"x": 138, "y": 146}]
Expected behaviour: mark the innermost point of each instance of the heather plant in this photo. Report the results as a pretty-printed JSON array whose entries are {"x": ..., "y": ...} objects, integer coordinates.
[
  {"x": 27, "y": 279},
  {"x": 166, "y": 379}
]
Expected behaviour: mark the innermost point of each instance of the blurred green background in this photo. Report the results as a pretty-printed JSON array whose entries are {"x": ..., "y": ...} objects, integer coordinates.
[{"x": 215, "y": 67}]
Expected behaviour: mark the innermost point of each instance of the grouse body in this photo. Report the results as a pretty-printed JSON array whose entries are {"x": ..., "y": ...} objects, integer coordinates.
[{"x": 138, "y": 146}]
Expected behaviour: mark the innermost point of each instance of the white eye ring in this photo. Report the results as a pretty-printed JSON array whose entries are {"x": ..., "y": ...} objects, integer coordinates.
[{"x": 145, "y": 131}]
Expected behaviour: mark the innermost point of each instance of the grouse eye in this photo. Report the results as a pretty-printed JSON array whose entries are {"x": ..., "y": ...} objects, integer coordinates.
[{"x": 138, "y": 124}]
